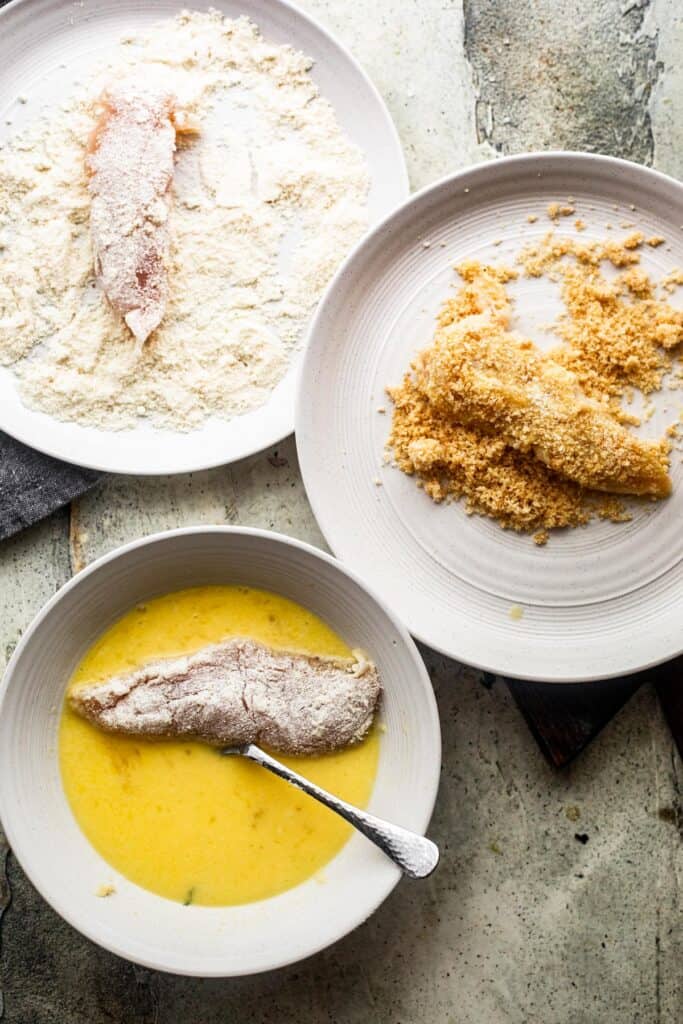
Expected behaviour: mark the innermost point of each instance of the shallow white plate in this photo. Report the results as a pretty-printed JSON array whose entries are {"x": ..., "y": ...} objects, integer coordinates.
[
  {"x": 599, "y": 601},
  {"x": 39, "y": 37},
  {"x": 59, "y": 860}
]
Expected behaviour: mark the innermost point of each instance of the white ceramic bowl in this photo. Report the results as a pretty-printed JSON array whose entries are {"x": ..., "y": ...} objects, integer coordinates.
[{"x": 59, "y": 860}]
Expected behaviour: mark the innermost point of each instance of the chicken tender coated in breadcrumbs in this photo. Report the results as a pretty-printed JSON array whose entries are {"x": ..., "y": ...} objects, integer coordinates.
[{"x": 489, "y": 378}]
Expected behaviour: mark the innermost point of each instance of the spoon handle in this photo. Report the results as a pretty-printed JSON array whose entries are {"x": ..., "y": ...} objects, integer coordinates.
[{"x": 416, "y": 855}]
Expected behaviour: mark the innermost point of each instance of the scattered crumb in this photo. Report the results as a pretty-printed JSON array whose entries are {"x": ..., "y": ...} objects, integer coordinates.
[
  {"x": 497, "y": 241},
  {"x": 382, "y": 409},
  {"x": 377, "y": 482},
  {"x": 611, "y": 343},
  {"x": 672, "y": 280},
  {"x": 637, "y": 282},
  {"x": 516, "y": 612},
  {"x": 627, "y": 224},
  {"x": 532, "y": 218},
  {"x": 426, "y": 245},
  {"x": 655, "y": 240},
  {"x": 105, "y": 890},
  {"x": 580, "y": 225},
  {"x": 634, "y": 240},
  {"x": 557, "y": 210},
  {"x": 541, "y": 537}
]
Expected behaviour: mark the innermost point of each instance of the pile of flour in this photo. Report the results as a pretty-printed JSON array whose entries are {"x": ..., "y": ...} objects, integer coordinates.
[{"x": 268, "y": 199}]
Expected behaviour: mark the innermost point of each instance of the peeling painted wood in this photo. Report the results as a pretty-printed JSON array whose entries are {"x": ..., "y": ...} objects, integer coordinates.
[{"x": 569, "y": 76}]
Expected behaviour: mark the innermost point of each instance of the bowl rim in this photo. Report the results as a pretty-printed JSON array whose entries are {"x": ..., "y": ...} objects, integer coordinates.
[{"x": 78, "y": 919}]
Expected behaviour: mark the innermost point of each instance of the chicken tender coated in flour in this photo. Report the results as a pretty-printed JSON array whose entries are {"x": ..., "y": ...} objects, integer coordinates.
[
  {"x": 130, "y": 163},
  {"x": 486, "y": 377},
  {"x": 240, "y": 692}
]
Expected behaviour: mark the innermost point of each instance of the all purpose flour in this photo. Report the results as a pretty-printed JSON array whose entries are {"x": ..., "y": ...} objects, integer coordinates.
[{"x": 268, "y": 199}]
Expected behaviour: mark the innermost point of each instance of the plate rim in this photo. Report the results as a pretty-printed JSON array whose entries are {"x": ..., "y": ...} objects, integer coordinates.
[
  {"x": 325, "y": 524},
  {"x": 196, "y": 465}
]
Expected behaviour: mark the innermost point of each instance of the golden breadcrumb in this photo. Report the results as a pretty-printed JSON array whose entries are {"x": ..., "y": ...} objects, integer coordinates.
[
  {"x": 105, "y": 890},
  {"x": 486, "y": 417},
  {"x": 557, "y": 210},
  {"x": 672, "y": 280},
  {"x": 634, "y": 240},
  {"x": 617, "y": 335}
]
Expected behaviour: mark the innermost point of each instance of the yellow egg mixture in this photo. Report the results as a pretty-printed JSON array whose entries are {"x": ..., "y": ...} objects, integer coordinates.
[{"x": 174, "y": 816}]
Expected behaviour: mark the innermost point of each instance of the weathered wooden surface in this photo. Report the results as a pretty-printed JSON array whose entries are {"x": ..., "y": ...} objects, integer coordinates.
[{"x": 523, "y": 922}]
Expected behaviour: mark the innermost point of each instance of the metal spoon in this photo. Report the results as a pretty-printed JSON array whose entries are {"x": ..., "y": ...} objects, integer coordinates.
[{"x": 416, "y": 855}]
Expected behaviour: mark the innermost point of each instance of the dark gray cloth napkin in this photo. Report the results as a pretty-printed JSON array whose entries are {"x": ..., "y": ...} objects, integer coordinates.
[{"x": 33, "y": 485}]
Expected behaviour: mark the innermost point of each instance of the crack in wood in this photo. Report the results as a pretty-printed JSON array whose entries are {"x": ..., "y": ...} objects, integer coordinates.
[
  {"x": 77, "y": 538},
  {"x": 5, "y": 900}
]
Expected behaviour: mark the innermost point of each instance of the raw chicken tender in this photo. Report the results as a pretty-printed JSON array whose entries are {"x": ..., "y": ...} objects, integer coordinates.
[{"x": 130, "y": 162}]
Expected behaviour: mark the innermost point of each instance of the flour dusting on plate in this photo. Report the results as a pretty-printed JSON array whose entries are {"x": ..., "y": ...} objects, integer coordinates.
[{"x": 268, "y": 198}]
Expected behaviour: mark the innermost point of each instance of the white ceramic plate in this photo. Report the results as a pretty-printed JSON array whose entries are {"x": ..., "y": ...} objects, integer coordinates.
[
  {"x": 37, "y": 39},
  {"x": 64, "y": 867},
  {"x": 599, "y": 601}
]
